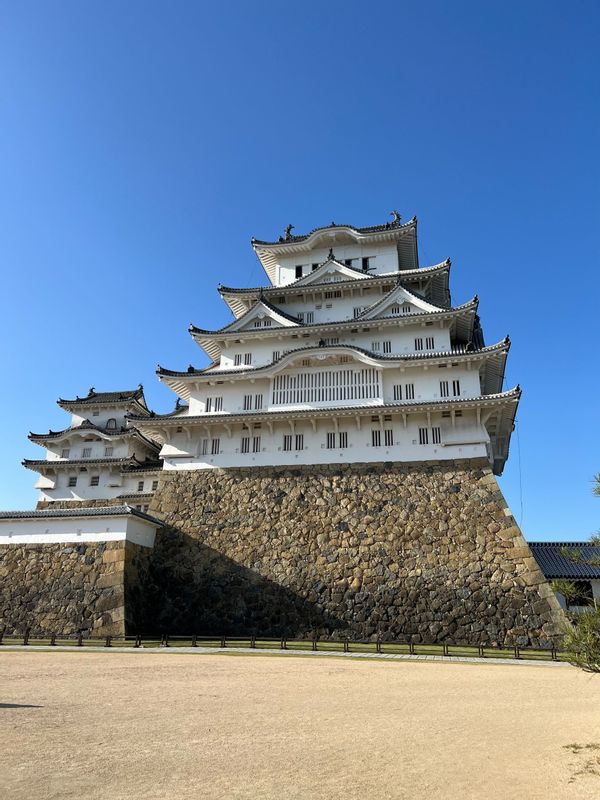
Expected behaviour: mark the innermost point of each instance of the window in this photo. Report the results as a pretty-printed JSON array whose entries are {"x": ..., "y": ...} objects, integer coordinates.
[
  {"x": 444, "y": 389},
  {"x": 140, "y": 486},
  {"x": 215, "y": 447},
  {"x": 245, "y": 448},
  {"x": 429, "y": 343},
  {"x": 456, "y": 388},
  {"x": 95, "y": 413},
  {"x": 258, "y": 401},
  {"x": 344, "y": 359},
  {"x": 94, "y": 480},
  {"x": 418, "y": 344},
  {"x": 395, "y": 309},
  {"x": 330, "y": 441},
  {"x": 237, "y": 359},
  {"x": 247, "y": 402},
  {"x": 306, "y": 362},
  {"x": 204, "y": 449},
  {"x": 214, "y": 404},
  {"x": 298, "y": 271},
  {"x": 309, "y": 318},
  {"x": 299, "y": 441},
  {"x": 388, "y": 437},
  {"x": 406, "y": 309},
  {"x": 330, "y": 295},
  {"x": 387, "y": 347},
  {"x": 154, "y": 485},
  {"x": 256, "y": 444},
  {"x": 423, "y": 436},
  {"x": 398, "y": 391},
  {"x": 108, "y": 451},
  {"x": 348, "y": 261},
  {"x": 343, "y": 439},
  {"x": 111, "y": 424},
  {"x": 247, "y": 359},
  {"x": 365, "y": 264},
  {"x": 358, "y": 311},
  {"x": 314, "y": 267},
  {"x": 86, "y": 452},
  {"x": 276, "y": 355},
  {"x": 267, "y": 322},
  {"x": 257, "y": 323},
  {"x": 64, "y": 453},
  {"x": 287, "y": 442},
  {"x": 436, "y": 435},
  {"x": 376, "y": 438},
  {"x": 409, "y": 391},
  {"x": 375, "y": 346},
  {"x": 328, "y": 305},
  {"x": 331, "y": 341},
  {"x": 72, "y": 482},
  {"x": 337, "y": 384}
]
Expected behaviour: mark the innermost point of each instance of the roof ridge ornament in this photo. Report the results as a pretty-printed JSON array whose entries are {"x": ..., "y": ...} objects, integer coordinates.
[
  {"x": 331, "y": 256},
  {"x": 288, "y": 232},
  {"x": 396, "y": 218}
]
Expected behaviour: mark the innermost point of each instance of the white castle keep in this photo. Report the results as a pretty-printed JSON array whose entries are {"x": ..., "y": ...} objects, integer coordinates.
[{"x": 351, "y": 353}]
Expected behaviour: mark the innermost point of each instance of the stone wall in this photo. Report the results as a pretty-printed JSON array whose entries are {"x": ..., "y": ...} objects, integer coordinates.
[
  {"x": 67, "y": 588},
  {"x": 427, "y": 552}
]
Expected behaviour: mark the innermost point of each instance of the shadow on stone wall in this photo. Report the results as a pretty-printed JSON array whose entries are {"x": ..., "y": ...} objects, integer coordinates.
[{"x": 189, "y": 588}]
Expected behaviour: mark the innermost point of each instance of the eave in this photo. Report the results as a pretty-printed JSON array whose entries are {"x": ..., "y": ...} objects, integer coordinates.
[
  {"x": 209, "y": 341},
  {"x": 43, "y": 439},
  {"x": 239, "y": 299},
  {"x": 180, "y": 382},
  {"x": 51, "y": 465}
]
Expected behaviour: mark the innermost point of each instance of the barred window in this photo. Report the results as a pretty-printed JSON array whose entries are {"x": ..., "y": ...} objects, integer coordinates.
[
  {"x": 108, "y": 451},
  {"x": 154, "y": 485},
  {"x": 237, "y": 359},
  {"x": 72, "y": 482},
  {"x": 436, "y": 435},
  {"x": 65, "y": 452},
  {"x": 287, "y": 441},
  {"x": 204, "y": 450},
  {"x": 330, "y": 441},
  {"x": 140, "y": 486},
  {"x": 215, "y": 447},
  {"x": 245, "y": 448},
  {"x": 247, "y": 358},
  {"x": 375, "y": 346},
  {"x": 276, "y": 355},
  {"x": 95, "y": 480},
  {"x": 409, "y": 391},
  {"x": 406, "y": 308},
  {"x": 299, "y": 441},
  {"x": 397, "y": 391},
  {"x": 209, "y": 403},
  {"x": 343, "y": 439},
  {"x": 423, "y": 436},
  {"x": 86, "y": 452},
  {"x": 388, "y": 437},
  {"x": 419, "y": 343},
  {"x": 444, "y": 389},
  {"x": 258, "y": 401},
  {"x": 395, "y": 309},
  {"x": 247, "y": 402},
  {"x": 376, "y": 438},
  {"x": 256, "y": 444},
  {"x": 387, "y": 347},
  {"x": 429, "y": 343},
  {"x": 456, "y": 388}
]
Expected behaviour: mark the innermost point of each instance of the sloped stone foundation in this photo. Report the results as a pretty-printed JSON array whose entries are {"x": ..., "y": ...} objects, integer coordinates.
[{"x": 427, "y": 552}]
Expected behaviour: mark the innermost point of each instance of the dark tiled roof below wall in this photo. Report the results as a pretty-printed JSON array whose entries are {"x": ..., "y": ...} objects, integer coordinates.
[{"x": 554, "y": 559}]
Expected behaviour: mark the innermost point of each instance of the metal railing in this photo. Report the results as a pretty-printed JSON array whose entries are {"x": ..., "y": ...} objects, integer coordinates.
[{"x": 379, "y": 646}]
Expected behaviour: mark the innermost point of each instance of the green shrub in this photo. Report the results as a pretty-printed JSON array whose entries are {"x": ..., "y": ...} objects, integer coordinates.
[{"x": 582, "y": 641}]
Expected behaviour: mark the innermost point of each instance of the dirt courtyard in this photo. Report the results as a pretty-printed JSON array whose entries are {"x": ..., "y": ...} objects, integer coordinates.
[{"x": 165, "y": 725}]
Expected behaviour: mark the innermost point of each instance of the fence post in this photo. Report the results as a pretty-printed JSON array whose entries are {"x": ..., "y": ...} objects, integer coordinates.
[
  {"x": 253, "y": 642},
  {"x": 517, "y": 653},
  {"x": 378, "y": 645},
  {"x": 26, "y": 637},
  {"x": 108, "y": 642},
  {"x": 411, "y": 648},
  {"x": 138, "y": 640},
  {"x": 223, "y": 642},
  {"x": 283, "y": 645},
  {"x": 314, "y": 641},
  {"x": 445, "y": 649},
  {"x": 80, "y": 639},
  {"x": 195, "y": 640},
  {"x": 2, "y": 634},
  {"x": 53, "y": 640},
  {"x": 480, "y": 649},
  {"x": 346, "y": 646},
  {"x": 552, "y": 653}
]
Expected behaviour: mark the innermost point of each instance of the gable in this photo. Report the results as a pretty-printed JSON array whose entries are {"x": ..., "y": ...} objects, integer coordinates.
[
  {"x": 331, "y": 271},
  {"x": 398, "y": 302}
]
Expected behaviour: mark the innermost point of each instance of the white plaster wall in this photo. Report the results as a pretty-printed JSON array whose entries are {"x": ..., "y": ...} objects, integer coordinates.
[
  {"x": 463, "y": 439},
  {"x": 104, "y": 414},
  {"x": 66, "y": 530},
  {"x": 112, "y": 485},
  {"x": 402, "y": 339},
  {"x": 384, "y": 258}
]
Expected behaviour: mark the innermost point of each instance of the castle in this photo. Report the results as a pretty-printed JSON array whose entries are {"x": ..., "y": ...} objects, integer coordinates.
[{"x": 332, "y": 468}]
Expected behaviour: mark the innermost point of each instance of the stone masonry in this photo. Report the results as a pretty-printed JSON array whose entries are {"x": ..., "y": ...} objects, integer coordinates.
[
  {"x": 427, "y": 552},
  {"x": 65, "y": 589}
]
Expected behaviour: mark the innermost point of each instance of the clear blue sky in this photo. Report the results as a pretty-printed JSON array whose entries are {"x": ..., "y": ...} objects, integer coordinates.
[{"x": 142, "y": 144}]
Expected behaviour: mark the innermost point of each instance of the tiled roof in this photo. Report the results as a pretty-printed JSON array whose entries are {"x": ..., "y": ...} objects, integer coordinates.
[
  {"x": 99, "y": 398},
  {"x": 97, "y": 511},
  {"x": 421, "y": 356},
  {"x": 86, "y": 425},
  {"x": 388, "y": 226},
  {"x": 560, "y": 559}
]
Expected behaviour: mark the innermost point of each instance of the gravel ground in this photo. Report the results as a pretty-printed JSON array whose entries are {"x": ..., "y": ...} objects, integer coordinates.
[{"x": 140, "y": 725}]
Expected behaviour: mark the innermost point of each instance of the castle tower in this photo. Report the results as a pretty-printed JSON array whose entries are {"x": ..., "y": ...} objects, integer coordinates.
[
  {"x": 99, "y": 457},
  {"x": 351, "y": 354}
]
